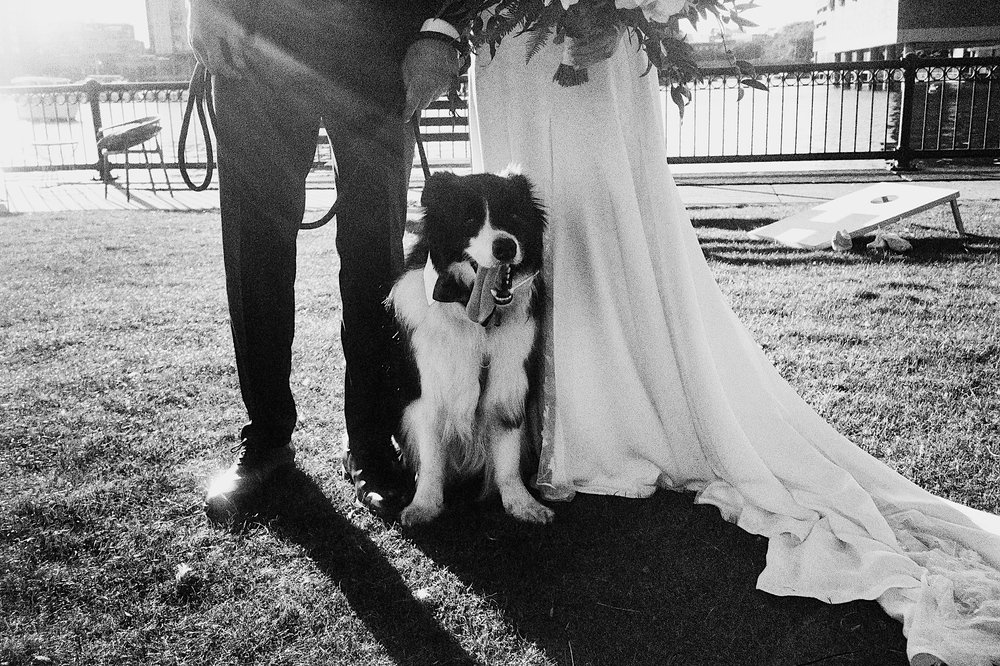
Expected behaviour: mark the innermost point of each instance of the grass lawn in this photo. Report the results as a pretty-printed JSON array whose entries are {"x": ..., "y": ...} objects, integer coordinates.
[{"x": 119, "y": 399}]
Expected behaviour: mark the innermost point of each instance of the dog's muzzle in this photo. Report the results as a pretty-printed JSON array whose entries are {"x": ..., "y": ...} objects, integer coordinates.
[{"x": 504, "y": 249}]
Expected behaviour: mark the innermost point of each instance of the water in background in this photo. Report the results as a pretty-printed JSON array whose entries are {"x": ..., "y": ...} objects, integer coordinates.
[{"x": 801, "y": 118}]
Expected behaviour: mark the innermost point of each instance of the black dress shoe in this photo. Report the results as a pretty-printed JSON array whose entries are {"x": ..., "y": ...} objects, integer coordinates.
[
  {"x": 380, "y": 482},
  {"x": 234, "y": 491}
]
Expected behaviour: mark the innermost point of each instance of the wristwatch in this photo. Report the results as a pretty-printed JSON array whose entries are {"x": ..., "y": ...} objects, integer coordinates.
[{"x": 441, "y": 30}]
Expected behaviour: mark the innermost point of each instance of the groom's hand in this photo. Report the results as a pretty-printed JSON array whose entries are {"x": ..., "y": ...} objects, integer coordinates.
[
  {"x": 219, "y": 41},
  {"x": 429, "y": 68}
]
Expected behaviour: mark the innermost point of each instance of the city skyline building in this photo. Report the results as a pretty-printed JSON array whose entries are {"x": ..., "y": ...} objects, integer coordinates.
[
  {"x": 38, "y": 46},
  {"x": 66, "y": 49},
  {"x": 167, "y": 23},
  {"x": 859, "y": 30}
]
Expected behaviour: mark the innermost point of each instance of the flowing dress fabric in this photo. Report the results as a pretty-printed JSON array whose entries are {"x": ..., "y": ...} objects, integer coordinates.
[{"x": 653, "y": 382}]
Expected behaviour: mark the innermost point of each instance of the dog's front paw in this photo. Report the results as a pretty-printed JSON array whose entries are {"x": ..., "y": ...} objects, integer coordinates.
[
  {"x": 419, "y": 514},
  {"x": 529, "y": 511}
]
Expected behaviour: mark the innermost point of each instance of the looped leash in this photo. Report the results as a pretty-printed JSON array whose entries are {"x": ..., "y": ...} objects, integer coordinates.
[
  {"x": 420, "y": 147},
  {"x": 328, "y": 215},
  {"x": 200, "y": 100},
  {"x": 336, "y": 204}
]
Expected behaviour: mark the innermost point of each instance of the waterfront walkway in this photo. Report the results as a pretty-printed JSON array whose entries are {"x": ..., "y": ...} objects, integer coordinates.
[{"x": 700, "y": 185}]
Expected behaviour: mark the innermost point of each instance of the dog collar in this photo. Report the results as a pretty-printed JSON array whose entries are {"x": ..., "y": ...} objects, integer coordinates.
[{"x": 430, "y": 279}]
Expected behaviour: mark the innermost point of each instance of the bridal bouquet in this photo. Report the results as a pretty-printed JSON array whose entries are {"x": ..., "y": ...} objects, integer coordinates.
[{"x": 652, "y": 25}]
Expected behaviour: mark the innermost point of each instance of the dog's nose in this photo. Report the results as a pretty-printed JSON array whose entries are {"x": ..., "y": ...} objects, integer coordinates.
[{"x": 504, "y": 249}]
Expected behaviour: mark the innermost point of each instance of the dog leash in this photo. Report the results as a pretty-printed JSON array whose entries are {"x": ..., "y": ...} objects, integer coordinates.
[
  {"x": 200, "y": 103},
  {"x": 420, "y": 148}
]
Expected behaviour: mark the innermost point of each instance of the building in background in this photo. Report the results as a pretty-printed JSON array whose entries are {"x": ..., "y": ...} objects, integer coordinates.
[
  {"x": 105, "y": 47},
  {"x": 68, "y": 49},
  {"x": 167, "y": 21},
  {"x": 11, "y": 47},
  {"x": 858, "y": 30},
  {"x": 168, "y": 40},
  {"x": 37, "y": 44},
  {"x": 792, "y": 43}
]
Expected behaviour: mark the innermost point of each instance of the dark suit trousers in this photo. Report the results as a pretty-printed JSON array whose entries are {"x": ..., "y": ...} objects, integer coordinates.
[{"x": 267, "y": 129}]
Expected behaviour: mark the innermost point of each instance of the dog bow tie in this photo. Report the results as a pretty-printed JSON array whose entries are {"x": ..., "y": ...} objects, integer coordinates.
[{"x": 444, "y": 288}]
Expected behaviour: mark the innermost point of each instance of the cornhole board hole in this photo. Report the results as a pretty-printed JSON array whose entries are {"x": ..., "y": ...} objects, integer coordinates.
[{"x": 858, "y": 213}]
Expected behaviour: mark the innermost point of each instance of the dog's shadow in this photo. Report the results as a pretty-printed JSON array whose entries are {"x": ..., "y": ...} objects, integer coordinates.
[{"x": 655, "y": 581}]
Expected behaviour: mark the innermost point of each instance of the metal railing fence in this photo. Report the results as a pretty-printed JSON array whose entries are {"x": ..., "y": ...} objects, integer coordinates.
[
  {"x": 46, "y": 128},
  {"x": 898, "y": 110}
]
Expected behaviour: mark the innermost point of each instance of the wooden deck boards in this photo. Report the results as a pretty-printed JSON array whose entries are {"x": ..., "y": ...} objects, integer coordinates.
[{"x": 70, "y": 190}]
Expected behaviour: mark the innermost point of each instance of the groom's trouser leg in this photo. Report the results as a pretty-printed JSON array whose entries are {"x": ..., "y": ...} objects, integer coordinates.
[
  {"x": 266, "y": 144},
  {"x": 374, "y": 152},
  {"x": 354, "y": 82}
]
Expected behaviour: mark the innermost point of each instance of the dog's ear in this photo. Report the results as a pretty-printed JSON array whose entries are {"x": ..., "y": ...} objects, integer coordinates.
[
  {"x": 437, "y": 187},
  {"x": 512, "y": 169},
  {"x": 522, "y": 185},
  {"x": 524, "y": 192}
]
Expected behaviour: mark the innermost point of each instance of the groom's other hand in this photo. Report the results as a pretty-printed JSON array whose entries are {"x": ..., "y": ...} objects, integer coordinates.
[
  {"x": 430, "y": 66},
  {"x": 219, "y": 38}
]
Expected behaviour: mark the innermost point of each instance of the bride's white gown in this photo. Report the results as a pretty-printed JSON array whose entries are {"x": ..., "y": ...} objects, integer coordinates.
[{"x": 652, "y": 381}]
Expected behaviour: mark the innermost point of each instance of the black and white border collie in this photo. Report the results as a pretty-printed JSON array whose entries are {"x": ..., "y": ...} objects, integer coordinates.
[{"x": 473, "y": 343}]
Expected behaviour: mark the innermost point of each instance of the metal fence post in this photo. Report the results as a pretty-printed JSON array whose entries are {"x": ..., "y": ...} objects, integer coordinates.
[
  {"x": 93, "y": 90},
  {"x": 904, "y": 150}
]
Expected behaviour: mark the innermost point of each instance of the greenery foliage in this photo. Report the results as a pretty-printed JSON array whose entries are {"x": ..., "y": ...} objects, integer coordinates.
[{"x": 662, "y": 40}]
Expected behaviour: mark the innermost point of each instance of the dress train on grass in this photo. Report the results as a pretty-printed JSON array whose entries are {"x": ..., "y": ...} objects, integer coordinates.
[{"x": 653, "y": 382}]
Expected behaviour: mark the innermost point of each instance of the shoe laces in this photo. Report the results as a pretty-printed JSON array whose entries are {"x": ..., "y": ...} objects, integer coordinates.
[{"x": 242, "y": 451}]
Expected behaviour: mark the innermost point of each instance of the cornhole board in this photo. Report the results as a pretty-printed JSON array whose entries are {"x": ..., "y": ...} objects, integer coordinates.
[{"x": 858, "y": 213}]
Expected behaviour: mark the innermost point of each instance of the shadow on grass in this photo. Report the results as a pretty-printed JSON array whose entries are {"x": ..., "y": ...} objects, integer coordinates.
[
  {"x": 299, "y": 512},
  {"x": 737, "y": 250},
  {"x": 731, "y": 223},
  {"x": 658, "y": 581},
  {"x": 724, "y": 239}
]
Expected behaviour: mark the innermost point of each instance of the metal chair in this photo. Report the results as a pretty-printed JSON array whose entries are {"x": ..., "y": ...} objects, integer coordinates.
[{"x": 130, "y": 138}]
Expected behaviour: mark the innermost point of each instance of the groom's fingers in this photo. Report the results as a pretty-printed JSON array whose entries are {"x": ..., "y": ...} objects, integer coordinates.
[
  {"x": 417, "y": 102},
  {"x": 219, "y": 55},
  {"x": 218, "y": 59},
  {"x": 410, "y": 109},
  {"x": 412, "y": 103},
  {"x": 421, "y": 91},
  {"x": 218, "y": 40}
]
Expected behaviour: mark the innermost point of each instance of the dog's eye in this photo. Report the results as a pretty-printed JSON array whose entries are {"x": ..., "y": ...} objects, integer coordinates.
[{"x": 471, "y": 223}]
